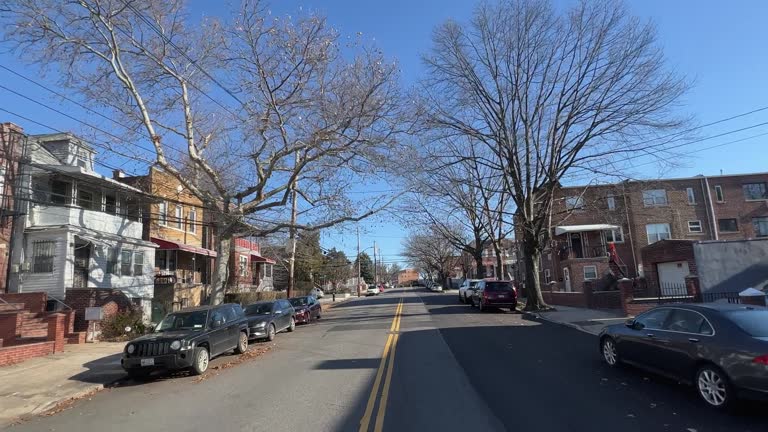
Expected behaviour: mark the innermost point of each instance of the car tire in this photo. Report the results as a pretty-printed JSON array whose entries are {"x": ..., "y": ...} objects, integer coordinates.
[
  {"x": 460, "y": 299},
  {"x": 609, "y": 351},
  {"x": 242, "y": 343},
  {"x": 201, "y": 360},
  {"x": 292, "y": 325},
  {"x": 714, "y": 387},
  {"x": 271, "y": 333},
  {"x": 480, "y": 306},
  {"x": 138, "y": 374}
]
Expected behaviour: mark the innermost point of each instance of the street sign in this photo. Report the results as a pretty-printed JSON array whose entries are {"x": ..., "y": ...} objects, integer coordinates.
[{"x": 94, "y": 314}]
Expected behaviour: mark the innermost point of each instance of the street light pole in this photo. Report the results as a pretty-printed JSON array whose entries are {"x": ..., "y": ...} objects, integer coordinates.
[{"x": 358, "y": 261}]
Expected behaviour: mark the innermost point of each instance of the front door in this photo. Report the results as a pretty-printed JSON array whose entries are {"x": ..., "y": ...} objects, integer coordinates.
[
  {"x": 82, "y": 260},
  {"x": 577, "y": 246},
  {"x": 567, "y": 279}
]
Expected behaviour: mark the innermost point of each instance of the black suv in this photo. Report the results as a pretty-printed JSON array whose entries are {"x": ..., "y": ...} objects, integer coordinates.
[{"x": 188, "y": 339}]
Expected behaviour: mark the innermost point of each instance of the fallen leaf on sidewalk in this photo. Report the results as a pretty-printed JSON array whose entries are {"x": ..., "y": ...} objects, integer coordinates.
[
  {"x": 69, "y": 403},
  {"x": 253, "y": 352}
]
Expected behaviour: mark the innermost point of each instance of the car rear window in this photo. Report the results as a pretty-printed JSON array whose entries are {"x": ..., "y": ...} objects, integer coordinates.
[
  {"x": 754, "y": 322},
  {"x": 498, "y": 286}
]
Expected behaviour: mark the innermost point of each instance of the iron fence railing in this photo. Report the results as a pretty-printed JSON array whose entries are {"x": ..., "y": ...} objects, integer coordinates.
[{"x": 729, "y": 297}]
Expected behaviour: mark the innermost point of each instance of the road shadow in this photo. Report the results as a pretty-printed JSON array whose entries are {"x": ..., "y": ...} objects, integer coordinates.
[{"x": 379, "y": 300}]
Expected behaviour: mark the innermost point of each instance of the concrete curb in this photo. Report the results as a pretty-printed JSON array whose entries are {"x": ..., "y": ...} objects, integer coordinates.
[
  {"x": 566, "y": 324},
  {"x": 73, "y": 396}
]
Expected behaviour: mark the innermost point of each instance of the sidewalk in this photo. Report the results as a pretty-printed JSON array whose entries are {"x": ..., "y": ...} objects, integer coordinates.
[
  {"x": 37, "y": 385},
  {"x": 586, "y": 320}
]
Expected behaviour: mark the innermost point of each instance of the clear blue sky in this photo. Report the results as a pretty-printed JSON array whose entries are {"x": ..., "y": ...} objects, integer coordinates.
[{"x": 720, "y": 46}]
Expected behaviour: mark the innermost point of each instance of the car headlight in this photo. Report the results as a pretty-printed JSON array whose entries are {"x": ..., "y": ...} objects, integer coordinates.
[
  {"x": 261, "y": 324},
  {"x": 175, "y": 345},
  {"x": 131, "y": 348}
]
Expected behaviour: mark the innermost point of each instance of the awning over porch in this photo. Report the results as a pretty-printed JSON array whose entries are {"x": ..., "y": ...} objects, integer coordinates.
[
  {"x": 259, "y": 258},
  {"x": 170, "y": 245},
  {"x": 580, "y": 228}
]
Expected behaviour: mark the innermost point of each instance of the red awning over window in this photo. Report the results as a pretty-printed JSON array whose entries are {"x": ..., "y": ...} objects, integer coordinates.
[
  {"x": 170, "y": 245},
  {"x": 259, "y": 258}
]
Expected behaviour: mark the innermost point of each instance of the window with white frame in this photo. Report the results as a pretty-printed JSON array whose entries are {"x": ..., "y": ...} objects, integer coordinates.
[
  {"x": 192, "y": 221},
  {"x": 695, "y": 226},
  {"x": 113, "y": 261},
  {"x": 138, "y": 263},
  {"x": 590, "y": 272},
  {"x": 547, "y": 276},
  {"x": 162, "y": 213},
  {"x": 728, "y": 225},
  {"x": 574, "y": 202},
  {"x": 657, "y": 232},
  {"x": 755, "y": 191},
  {"x": 42, "y": 256},
  {"x": 719, "y": 193},
  {"x": 179, "y": 217},
  {"x": 761, "y": 226},
  {"x": 691, "y": 195},
  {"x": 125, "y": 262},
  {"x": 243, "y": 265},
  {"x": 615, "y": 235},
  {"x": 611, "y": 200},
  {"x": 655, "y": 197}
]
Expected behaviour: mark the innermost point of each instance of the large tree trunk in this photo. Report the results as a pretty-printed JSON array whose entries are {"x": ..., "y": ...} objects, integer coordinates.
[
  {"x": 531, "y": 254},
  {"x": 221, "y": 266},
  {"x": 478, "y": 256},
  {"x": 499, "y": 261}
]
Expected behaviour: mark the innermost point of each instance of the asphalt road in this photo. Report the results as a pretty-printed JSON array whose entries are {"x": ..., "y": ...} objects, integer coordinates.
[{"x": 409, "y": 361}]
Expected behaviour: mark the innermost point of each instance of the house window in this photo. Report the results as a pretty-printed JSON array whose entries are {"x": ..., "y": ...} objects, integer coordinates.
[
  {"x": 611, "y": 202},
  {"x": 719, "y": 193},
  {"x": 2, "y": 181},
  {"x": 61, "y": 192},
  {"x": 85, "y": 199},
  {"x": 179, "y": 217},
  {"x": 243, "y": 265},
  {"x": 138, "y": 263},
  {"x": 113, "y": 261},
  {"x": 590, "y": 272},
  {"x": 162, "y": 213},
  {"x": 755, "y": 191},
  {"x": 761, "y": 226},
  {"x": 655, "y": 197},
  {"x": 574, "y": 202},
  {"x": 125, "y": 262},
  {"x": 695, "y": 226},
  {"x": 728, "y": 225},
  {"x": 547, "y": 276},
  {"x": 657, "y": 232},
  {"x": 42, "y": 256},
  {"x": 269, "y": 268},
  {"x": 615, "y": 236},
  {"x": 192, "y": 221},
  {"x": 691, "y": 195},
  {"x": 110, "y": 204}
]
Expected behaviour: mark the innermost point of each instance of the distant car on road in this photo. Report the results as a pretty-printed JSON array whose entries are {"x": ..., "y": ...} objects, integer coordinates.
[
  {"x": 435, "y": 287},
  {"x": 495, "y": 294},
  {"x": 317, "y": 293},
  {"x": 722, "y": 349},
  {"x": 267, "y": 318},
  {"x": 307, "y": 308},
  {"x": 466, "y": 289},
  {"x": 187, "y": 339},
  {"x": 372, "y": 290}
]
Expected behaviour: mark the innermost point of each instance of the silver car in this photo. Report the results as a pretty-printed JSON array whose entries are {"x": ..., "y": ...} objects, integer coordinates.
[{"x": 466, "y": 289}]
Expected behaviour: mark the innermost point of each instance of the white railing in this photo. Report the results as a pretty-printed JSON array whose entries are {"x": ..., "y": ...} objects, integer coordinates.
[{"x": 43, "y": 215}]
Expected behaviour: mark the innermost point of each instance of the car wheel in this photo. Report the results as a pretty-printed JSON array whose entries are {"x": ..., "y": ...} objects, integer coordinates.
[
  {"x": 242, "y": 343},
  {"x": 200, "y": 365},
  {"x": 292, "y": 326},
  {"x": 271, "y": 333},
  {"x": 480, "y": 306},
  {"x": 714, "y": 387},
  {"x": 610, "y": 353},
  {"x": 138, "y": 374},
  {"x": 460, "y": 299}
]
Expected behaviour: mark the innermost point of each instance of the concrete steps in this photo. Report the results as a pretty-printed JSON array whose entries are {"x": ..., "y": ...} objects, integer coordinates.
[{"x": 33, "y": 327}]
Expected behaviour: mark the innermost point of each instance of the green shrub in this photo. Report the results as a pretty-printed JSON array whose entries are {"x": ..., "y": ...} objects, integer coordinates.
[{"x": 113, "y": 327}]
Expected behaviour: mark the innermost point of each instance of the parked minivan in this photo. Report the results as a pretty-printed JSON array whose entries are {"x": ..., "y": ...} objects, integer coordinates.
[{"x": 495, "y": 294}]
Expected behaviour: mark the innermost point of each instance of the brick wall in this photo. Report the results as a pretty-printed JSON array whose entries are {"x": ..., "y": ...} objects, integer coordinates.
[
  {"x": 9, "y": 327},
  {"x": 19, "y": 353},
  {"x": 605, "y": 300},
  {"x": 666, "y": 251},
  {"x": 111, "y": 300},
  {"x": 573, "y": 299},
  {"x": 33, "y": 301}
]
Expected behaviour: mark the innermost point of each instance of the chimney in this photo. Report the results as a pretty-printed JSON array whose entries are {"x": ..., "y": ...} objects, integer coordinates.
[
  {"x": 11, "y": 127},
  {"x": 118, "y": 174}
]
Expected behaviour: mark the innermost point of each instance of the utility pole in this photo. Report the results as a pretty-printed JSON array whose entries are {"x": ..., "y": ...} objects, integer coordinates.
[
  {"x": 292, "y": 236},
  {"x": 375, "y": 266},
  {"x": 358, "y": 261}
]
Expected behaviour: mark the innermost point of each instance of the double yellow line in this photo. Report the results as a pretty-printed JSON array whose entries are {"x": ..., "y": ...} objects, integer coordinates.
[{"x": 386, "y": 366}]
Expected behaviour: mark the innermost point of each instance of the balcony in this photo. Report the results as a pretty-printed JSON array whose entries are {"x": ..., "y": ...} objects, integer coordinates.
[
  {"x": 578, "y": 254},
  {"x": 43, "y": 215}
]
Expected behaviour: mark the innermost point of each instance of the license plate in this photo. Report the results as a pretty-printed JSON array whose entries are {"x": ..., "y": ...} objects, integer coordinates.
[
  {"x": 502, "y": 296},
  {"x": 148, "y": 362}
]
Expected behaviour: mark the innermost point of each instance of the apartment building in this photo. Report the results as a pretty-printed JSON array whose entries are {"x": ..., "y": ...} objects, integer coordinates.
[{"x": 602, "y": 229}]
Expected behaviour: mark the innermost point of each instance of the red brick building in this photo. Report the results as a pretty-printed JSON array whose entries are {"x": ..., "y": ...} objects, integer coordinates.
[
  {"x": 12, "y": 141},
  {"x": 589, "y": 222},
  {"x": 249, "y": 271}
]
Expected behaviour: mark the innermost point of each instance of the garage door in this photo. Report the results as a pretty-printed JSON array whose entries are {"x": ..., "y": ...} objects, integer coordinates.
[{"x": 672, "y": 277}]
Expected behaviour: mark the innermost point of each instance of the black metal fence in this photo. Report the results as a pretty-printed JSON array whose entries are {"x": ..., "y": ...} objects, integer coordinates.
[
  {"x": 671, "y": 292},
  {"x": 730, "y": 297}
]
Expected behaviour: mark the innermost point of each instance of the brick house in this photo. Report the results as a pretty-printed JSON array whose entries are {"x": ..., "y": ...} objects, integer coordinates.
[
  {"x": 249, "y": 271},
  {"x": 173, "y": 220},
  {"x": 12, "y": 140},
  {"x": 407, "y": 276},
  {"x": 599, "y": 231}
]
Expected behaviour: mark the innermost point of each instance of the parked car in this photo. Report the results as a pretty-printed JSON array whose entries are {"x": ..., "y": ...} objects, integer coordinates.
[
  {"x": 188, "y": 339},
  {"x": 307, "y": 308},
  {"x": 381, "y": 288},
  {"x": 267, "y": 318},
  {"x": 722, "y": 349},
  {"x": 495, "y": 294},
  {"x": 435, "y": 287},
  {"x": 317, "y": 293},
  {"x": 466, "y": 289},
  {"x": 371, "y": 290}
]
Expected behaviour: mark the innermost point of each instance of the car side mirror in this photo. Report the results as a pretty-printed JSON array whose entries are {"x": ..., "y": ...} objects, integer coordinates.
[
  {"x": 217, "y": 323},
  {"x": 631, "y": 323}
]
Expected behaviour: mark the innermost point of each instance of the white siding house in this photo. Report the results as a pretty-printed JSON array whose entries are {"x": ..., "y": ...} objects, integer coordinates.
[{"x": 80, "y": 229}]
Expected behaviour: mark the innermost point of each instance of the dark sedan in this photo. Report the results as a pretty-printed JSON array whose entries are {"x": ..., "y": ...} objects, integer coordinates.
[
  {"x": 722, "y": 349},
  {"x": 307, "y": 309},
  {"x": 267, "y": 318}
]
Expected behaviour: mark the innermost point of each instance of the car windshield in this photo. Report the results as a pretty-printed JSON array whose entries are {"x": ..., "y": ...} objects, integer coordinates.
[
  {"x": 298, "y": 301},
  {"x": 259, "y": 309},
  {"x": 183, "y": 321},
  {"x": 498, "y": 286},
  {"x": 754, "y": 322},
  {"x": 473, "y": 284}
]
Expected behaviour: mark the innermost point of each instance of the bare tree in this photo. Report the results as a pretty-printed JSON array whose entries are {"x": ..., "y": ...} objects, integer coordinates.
[
  {"x": 550, "y": 93},
  {"x": 431, "y": 252},
  {"x": 299, "y": 120}
]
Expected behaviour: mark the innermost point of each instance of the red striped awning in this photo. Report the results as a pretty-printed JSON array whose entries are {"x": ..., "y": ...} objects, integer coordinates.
[{"x": 171, "y": 245}]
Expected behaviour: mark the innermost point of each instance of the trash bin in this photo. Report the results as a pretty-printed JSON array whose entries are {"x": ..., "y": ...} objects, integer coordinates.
[{"x": 753, "y": 297}]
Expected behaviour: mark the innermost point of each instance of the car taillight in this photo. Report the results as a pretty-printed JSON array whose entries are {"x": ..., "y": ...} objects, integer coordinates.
[{"x": 763, "y": 359}]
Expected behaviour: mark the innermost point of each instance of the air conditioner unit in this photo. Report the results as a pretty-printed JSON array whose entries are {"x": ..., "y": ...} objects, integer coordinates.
[{"x": 15, "y": 268}]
